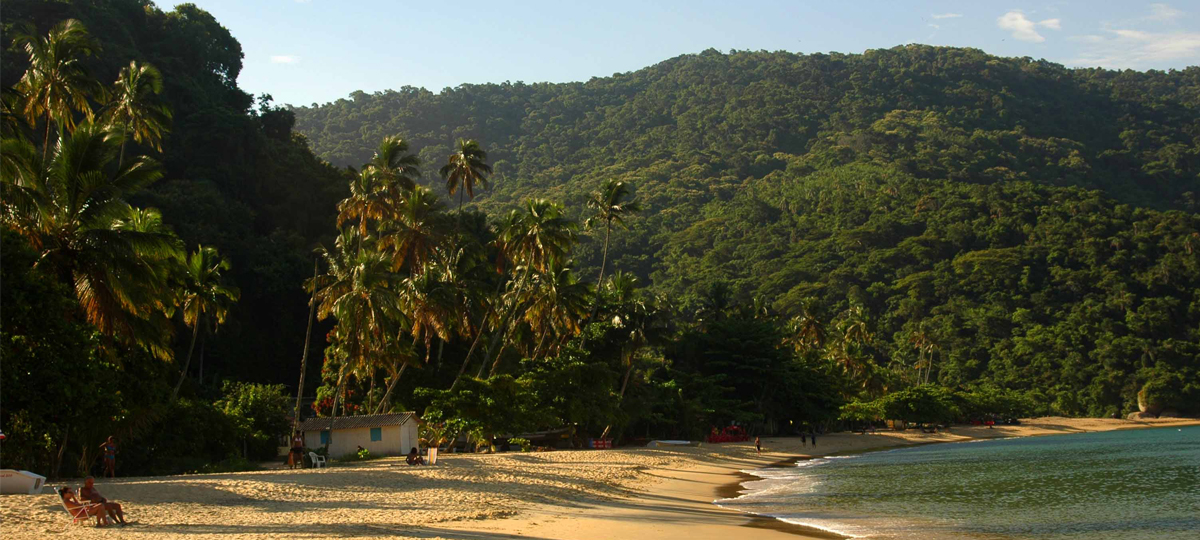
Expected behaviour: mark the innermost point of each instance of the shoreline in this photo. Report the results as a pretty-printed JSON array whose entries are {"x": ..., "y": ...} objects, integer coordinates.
[
  {"x": 734, "y": 488},
  {"x": 642, "y": 493}
]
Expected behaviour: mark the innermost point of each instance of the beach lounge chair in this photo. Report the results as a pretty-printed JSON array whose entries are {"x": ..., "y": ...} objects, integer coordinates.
[
  {"x": 83, "y": 512},
  {"x": 318, "y": 461},
  {"x": 432, "y": 456}
]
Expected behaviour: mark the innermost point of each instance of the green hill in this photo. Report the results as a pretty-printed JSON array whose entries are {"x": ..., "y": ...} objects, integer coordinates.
[{"x": 1037, "y": 224}]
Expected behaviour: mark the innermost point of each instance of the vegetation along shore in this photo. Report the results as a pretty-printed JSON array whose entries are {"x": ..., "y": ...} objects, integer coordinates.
[{"x": 723, "y": 244}]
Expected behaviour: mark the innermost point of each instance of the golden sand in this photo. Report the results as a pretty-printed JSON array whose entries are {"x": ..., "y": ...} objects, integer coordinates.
[{"x": 635, "y": 493}]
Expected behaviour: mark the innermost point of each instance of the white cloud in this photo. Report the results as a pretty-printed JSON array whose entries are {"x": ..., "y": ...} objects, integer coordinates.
[
  {"x": 1024, "y": 29},
  {"x": 946, "y": 15},
  {"x": 1163, "y": 13},
  {"x": 285, "y": 59},
  {"x": 1122, "y": 47}
]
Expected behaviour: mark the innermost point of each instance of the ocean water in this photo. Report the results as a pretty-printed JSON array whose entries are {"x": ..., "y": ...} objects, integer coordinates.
[{"x": 1128, "y": 485}]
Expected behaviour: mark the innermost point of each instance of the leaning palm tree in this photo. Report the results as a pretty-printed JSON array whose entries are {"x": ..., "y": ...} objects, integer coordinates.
[
  {"x": 536, "y": 239},
  {"x": 134, "y": 109},
  {"x": 57, "y": 84},
  {"x": 203, "y": 295},
  {"x": 415, "y": 230},
  {"x": 466, "y": 167},
  {"x": 72, "y": 210},
  {"x": 559, "y": 304}
]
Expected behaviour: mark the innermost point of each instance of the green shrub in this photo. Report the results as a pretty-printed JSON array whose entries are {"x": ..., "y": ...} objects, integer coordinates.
[{"x": 523, "y": 443}]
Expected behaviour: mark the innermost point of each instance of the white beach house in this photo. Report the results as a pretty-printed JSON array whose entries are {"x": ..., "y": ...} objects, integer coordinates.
[{"x": 382, "y": 434}]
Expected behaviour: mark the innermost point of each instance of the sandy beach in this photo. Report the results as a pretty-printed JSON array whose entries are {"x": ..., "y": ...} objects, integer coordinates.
[{"x": 627, "y": 493}]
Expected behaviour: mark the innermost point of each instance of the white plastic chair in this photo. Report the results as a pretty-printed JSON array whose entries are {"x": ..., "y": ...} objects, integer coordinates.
[{"x": 317, "y": 461}]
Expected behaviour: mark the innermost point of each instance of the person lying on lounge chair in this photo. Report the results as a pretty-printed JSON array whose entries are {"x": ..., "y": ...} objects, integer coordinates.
[
  {"x": 89, "y": 493},
  {"x": 79, "y": 510},
  {"x": 414, "y": 458}
]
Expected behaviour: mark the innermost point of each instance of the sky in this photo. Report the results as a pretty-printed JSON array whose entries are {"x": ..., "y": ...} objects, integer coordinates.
[{"x": 315, "y": 51}]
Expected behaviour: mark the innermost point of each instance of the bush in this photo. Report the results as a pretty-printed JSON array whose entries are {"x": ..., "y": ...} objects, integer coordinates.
[{"x": 523, "y": 443}]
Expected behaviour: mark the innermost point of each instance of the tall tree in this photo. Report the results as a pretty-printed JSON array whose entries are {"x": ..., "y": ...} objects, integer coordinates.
[
  {"x": 466, "y": 167},
  {"x": 202, "y": 295},
  {"x": 57, "y": 84},
  {"x": 71, "y": 207},
  {"x": 393, "y": 165},
  {"x": 134, "y": 108},
  {"x": 535, "y": 239},
  {"x": 611, "y": 207}
]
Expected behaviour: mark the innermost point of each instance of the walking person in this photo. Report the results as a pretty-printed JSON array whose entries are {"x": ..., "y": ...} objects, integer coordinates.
[
  {"x": 110, "y": 457},
  {"x": 804, "y": 439},
  {"x": 757, "y": 445},
  {"x": 813, "y": 435}
]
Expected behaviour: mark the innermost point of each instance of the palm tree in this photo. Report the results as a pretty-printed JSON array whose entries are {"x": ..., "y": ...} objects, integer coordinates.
[
  {"x": 415, "y": 230},
  {"x": 393, "y": 166},
  {"x": 56, "y": 82},
  {"x": 465, "y": 168},
  {"x": 560, "y": 303},
  {"x": 536, "y": 238},
  {"x": 72, "y": 210},
  {"x": 610, "y": 207},
  {"x": 369, "y": 200},
  {"x": 202, "y": 295},
  {"x": 806, "y": 331},
  {"x": 133, "y": 107},
  {"x": 854, "y": 334}
]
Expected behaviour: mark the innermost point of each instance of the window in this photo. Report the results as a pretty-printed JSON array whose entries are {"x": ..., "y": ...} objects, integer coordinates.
[
  {"x": 324, "y": 438},
  {"x": 376, "y": 434}
]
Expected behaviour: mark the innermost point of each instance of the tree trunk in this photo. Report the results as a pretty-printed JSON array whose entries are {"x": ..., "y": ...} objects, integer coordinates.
[
  {"x": 337, "y": 394},
  {"x": 121, "y": 159},
  {"x": 203, "y": 338},
  {"x": 182, "y": 376},
  {"x": 502, "y": 329},
  {"x": 621, "y": 395},
  {"x": 391, "y": 386},
  {"x": 599, "y": 283},
  {"x": 54, "y": 469},
  {"x": 46, "y": 139},
  {"x": 312, "y": 311},
  {"x": 475, "y": 343}
]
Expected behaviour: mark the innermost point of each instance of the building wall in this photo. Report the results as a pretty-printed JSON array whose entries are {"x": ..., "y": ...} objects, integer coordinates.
[{"x": 397, "y": 440}]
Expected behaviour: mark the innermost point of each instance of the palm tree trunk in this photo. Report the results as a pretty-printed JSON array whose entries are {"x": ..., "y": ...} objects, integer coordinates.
[
  {"x": 203, "y": 338},
  {"x": 391, "y": 386},
  {"x": 312, "y": 310},
  {"x": 621, "y": 395},
  {"x": 337, "y": 394},
  {"x": 599, "y": 283},
  {"x": 502, "y": 330},
  {"x": 538, "y": 351},
  {"x": 475, "y": 343},
  {"x": 460, "y": 203},
  {"x": 182, "y": 376},
  {"x": 46, "y": 139}
]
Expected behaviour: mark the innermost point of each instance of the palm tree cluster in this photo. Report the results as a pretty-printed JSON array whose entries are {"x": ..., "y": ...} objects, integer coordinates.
[
  {"x": 69, "y": 198},
  {"x": 406, "y": 276}
]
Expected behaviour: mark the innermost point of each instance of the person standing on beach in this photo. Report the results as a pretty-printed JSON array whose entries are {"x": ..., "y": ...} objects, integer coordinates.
[
  {"x": 296, "y": 454},
  {"x": 804, "y": 439},
  {"x": 757, "y": 445},
  {"x": 110, "y": 457},
  {"x": 813, "y": 435}
]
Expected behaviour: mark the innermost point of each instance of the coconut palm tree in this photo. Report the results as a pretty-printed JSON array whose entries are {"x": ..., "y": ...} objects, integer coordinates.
[
  {"x": 369, "y": 200},
  {"x": 72, "y": 210},
  {"x": 414, "y": 231},
  {"x": 536, "y": 238},
  {"x": 466, "y": 167},
  {"x": 806, "y": 331},
  {"x": 133, "y": 107},
  {"x": 202, "y": 295},
  {"x": 57, "y": 83},
  {"x": 611, "y": 207},
  {"x": 559, "y": 304},
  {"x": 394, "y": 166}
]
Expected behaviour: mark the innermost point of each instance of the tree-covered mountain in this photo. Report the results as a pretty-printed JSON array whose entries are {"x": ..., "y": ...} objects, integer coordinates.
[{"x": 1012, "y": 220}]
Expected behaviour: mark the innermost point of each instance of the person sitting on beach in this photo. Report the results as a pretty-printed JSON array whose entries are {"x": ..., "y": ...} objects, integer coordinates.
[
  {"x": 89, "y": 493},
  {"x": 79, "y": 510},
  {"x": 414, "y": 458}
]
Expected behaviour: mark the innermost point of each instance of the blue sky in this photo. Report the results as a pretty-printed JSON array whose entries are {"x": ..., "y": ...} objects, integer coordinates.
[{"x": 315, "y": 51}]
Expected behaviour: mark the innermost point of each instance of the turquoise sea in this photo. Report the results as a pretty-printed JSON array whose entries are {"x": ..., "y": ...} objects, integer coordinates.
[{"x": 1135, "y": 484}]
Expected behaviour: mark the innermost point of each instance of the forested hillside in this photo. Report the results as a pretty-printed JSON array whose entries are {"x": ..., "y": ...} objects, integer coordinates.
[{"x": 1016, "y": 221}]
